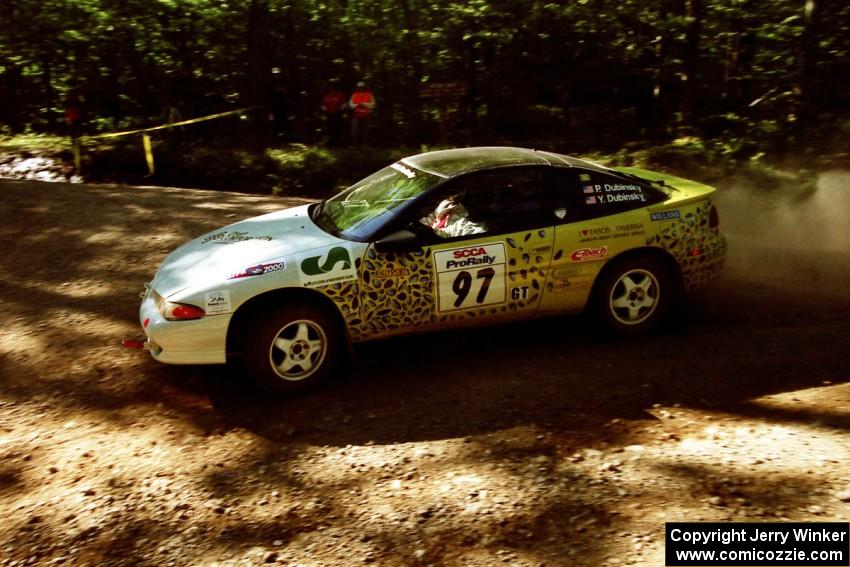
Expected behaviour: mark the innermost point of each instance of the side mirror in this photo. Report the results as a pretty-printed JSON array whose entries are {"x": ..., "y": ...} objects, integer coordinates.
[{"x": 399, "y": 241}]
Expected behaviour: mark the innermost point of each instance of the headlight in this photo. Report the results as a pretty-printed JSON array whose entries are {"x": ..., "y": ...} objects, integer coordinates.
[{"x": 176, "y": 311}]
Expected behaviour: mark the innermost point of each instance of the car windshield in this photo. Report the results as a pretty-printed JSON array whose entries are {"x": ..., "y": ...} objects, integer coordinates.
[{"x": 359, "y": 211}]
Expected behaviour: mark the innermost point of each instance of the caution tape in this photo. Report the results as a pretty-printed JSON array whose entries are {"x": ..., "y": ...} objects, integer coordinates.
[
  {"x": 146, "y": 139},
  {"x": 170, "y": 124}
]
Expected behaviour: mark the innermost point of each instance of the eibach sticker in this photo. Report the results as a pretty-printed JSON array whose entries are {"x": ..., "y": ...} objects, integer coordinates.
[{"x": 588, "y": 254}]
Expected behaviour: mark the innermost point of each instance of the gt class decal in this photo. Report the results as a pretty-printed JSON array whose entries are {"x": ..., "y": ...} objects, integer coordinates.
[
  {"x": 586, "y": 254},
  {"x": 470, "y": 277},
  {"x": 333, "y": 265}
]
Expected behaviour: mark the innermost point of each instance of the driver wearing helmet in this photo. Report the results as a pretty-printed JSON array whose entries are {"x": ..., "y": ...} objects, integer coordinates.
[{"x": 452, "y": 219}]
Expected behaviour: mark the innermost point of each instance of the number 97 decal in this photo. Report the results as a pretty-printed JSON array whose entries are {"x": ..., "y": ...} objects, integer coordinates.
[{"x": 470, "y": 277}]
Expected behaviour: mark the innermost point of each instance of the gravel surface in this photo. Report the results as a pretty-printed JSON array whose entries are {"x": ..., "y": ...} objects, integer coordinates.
[{"x": 539, "y": 443}]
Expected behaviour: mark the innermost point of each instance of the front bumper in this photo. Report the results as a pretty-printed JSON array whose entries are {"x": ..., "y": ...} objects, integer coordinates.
[{"x": 197, "y": 341}]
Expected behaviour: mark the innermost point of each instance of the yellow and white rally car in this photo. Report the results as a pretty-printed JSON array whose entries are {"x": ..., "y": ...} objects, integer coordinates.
[{"x": 443, "y": 239}]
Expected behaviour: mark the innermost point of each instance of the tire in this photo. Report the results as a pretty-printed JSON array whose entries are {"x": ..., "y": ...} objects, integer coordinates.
[
  {"x": 291, "y": 348},
  {"x": 634, "y": 296}
]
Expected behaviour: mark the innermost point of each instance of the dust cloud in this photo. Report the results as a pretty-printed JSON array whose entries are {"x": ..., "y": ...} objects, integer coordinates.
[
  {"x": 789, "y": 235},
  {"x": 799, "y": 218}
]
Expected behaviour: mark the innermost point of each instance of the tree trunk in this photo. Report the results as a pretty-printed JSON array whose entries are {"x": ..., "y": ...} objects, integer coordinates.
[
  {"x": 413, "y": 51},
  {"x": 49, "y": 96},
  {"x": 258, "y": 67},
  {"x": 808, "y": 62},
  {"x": 661, "y": 79},
  {"x": 694, "y": 10}
]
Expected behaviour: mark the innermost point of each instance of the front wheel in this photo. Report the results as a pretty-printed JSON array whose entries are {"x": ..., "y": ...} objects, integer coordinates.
[
  {"x": 634, "y": 295},
  {"x": 291, "y": 348}
]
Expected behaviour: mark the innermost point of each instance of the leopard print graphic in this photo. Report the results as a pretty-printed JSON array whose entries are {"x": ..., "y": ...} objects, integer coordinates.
[
  {"x": 687, "y": 233},
  {"x": 397, "y": 291}
]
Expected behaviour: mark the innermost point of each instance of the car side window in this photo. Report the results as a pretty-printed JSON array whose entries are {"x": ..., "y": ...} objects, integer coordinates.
[
  {"x": 585, "y": 194},
  {"x": 492, "y": 202}
]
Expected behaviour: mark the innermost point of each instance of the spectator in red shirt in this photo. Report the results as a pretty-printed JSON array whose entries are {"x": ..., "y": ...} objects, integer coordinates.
[
  {"x": 333, "y": 105},
  {"x": 361, "y": 103},
  {"x": 74, "y": 113}
]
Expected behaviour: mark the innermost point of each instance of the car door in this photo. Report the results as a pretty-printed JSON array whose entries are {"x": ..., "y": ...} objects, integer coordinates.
[
  {"x": 599, "y": 216},
  {"x": 493, "y": 268}
]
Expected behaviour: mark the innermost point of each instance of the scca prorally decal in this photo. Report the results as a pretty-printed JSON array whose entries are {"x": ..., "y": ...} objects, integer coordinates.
[
  {"x": 665, "y": 215},
  {"x": 332, "y": 266},
  {"x": 259, "y": 270},
  {"x": 475, "y": 256},
  {"x": 470, "y": 277},
  {"x": 229, "y": 237},
  {"x": 586, "y": 254}
]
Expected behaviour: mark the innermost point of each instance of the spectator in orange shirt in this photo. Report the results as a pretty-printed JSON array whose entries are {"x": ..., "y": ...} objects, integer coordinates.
[{"x": 361, "y": 103}]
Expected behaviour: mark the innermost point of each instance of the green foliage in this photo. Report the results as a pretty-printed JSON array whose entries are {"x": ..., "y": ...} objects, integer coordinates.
[
  {"x": 33, "y": 143},
  {"x": 744, "y": 78},
  {"x": 217, "y": 163},
  {"x": 130, "y": 58},
  {"x": 318, "y": 171}
]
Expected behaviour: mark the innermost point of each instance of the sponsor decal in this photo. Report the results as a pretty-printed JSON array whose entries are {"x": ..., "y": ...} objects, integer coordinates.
[
  {"x": 587, "y": 254},
  {"x": 392, "y": 273},
  {"x": 629, "y": 227},
  {"x": 571, "y": 284},
  {"x": 332, "y": 266},
  {"x": 216, "y": 302},
  {"x": 259, "y": 270},
  {"x": 584, "y": 177},
  {"x": 470, "y": 257},
  {"x": 567, "y": 272},
  {"x": 560, "y": 213},
  {"x": 406, "y": 171},
  {"x": 665, "y": 215},
  {"x": 470, "y": 277},
  {"x": 595, "y": 232},
  {"x": 604, "y": 232},
  {"x": 231, "y": 236}
]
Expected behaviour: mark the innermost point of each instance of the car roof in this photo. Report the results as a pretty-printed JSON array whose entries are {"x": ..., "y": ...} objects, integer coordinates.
[{"x": 451, "y": 163}]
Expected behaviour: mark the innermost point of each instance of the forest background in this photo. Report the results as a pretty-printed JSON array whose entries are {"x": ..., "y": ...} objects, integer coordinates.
[{"x": 686, "y": 84}]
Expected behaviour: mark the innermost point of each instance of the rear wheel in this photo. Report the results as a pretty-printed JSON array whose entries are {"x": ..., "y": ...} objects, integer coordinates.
[
  {"x": 634, "y": 295},
  {"x": 291, "y": 348}
]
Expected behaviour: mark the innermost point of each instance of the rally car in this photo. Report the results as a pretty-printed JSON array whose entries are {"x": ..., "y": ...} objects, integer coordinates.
[{"x": 443, "y": 239}]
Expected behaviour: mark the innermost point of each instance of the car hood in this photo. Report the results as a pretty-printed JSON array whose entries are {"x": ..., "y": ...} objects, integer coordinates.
[{"x": 217, "y": 255}]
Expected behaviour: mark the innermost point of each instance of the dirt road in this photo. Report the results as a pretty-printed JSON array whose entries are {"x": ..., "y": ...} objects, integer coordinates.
[{"x": 529, "y": 444}]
